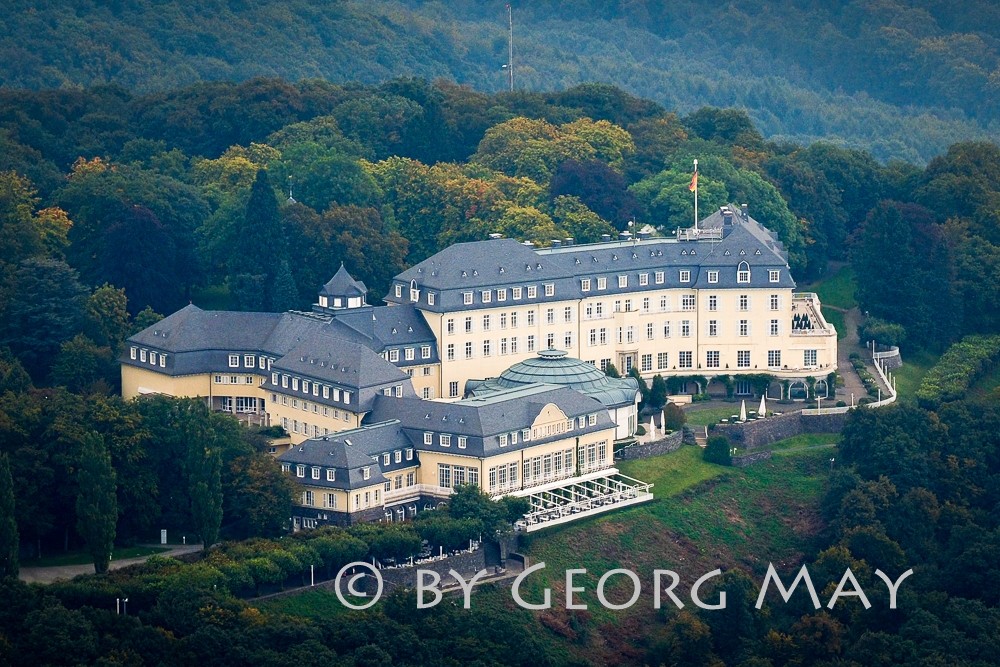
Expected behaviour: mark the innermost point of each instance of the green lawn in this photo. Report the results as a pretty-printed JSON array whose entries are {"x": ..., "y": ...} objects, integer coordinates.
[
  {"x": 317, "y": 603},
  {"x": 805, "y": 442},
  {"x": 706, "y": 416},
  {"x": 985, "y": 386},
  {"x": 836, "y": 318},
  {"x": 909, "y": 376},
  {"x": 836, "y": 290},
  {"x": 704, "y": 516},
  {"x": 83, "y": 558}
]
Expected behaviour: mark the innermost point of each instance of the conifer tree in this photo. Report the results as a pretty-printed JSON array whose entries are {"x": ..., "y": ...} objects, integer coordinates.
[
  {"x": 97, "y": 503},
  {"x": 9, "y": 540}
]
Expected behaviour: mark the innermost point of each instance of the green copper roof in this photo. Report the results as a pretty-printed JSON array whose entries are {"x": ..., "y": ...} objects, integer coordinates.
[{"x": 555, "y": 367}]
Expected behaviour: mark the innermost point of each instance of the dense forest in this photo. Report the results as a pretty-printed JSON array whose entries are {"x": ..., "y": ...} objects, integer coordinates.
[{"x": 899, "y": 78}]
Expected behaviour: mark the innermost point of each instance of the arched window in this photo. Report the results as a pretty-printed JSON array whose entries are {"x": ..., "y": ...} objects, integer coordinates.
[
  {"x": 414, "y": 292},
  {"x": 743, "y": 273}
]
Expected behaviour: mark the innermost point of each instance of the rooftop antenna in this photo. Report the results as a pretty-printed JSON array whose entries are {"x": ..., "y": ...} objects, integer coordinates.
[{"x": 510, "y": 49}]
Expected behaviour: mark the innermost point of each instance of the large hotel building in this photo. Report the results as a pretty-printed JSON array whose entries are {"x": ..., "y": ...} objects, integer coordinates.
[{"x": 389, "y": 407}]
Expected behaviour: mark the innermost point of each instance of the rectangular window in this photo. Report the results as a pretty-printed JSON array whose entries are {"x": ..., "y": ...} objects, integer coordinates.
[
  {"x": 743, "y": 358},
  {"x": 486, "y": 322},
  {"x": 307, "y": 498},
  {"x": 315, "y": 472},
  {"x": 774, "y": 327},
  {"x": 685, "y": 328},
  {"x": 568, "y": 314},
  {"x": 463, "y": 442},
  {"x": 550, "y": 315},
  {"x": 713, "y": 277},
  {"x": 487, "y": 295},
  {"x": 452, "y": 389},
  {"x": 647, "y": 363},
  {"x": 503, "y": 320},
  {"x": 132, "y": 353},
  {"x": 809, "y": 357},
  {"x": 662, "y": 361},
  {"x": 468, "y": 325},
  {"x": 163, "y": 361},
  {"x": 450, "y": 326},
  {"x": 744, "y": 327},
  {"x": 685, "y": 276},
  {"x": 450, "y": 352},
  {"x": 445, "y": 440},
  {"x": 685, "y": 360},
  {"x": 774, "y": 275},
  {"x": 300, "y": 471},
  {"x": 650, "y": 331},
  {"x": 428, "y": 438},
  {"x": 409, "y": 354},
  {"x": 502, "y": 294},
  {"x": 550, "y": 289},
  {"x": 602, "y": 283},
  {"x": 444, "y": 475},
  {"x": 531, "y": 318},
  {"x": 585, "y": 285},
  {"x": 513, "y": 345},
  {"x": 152, "y": 358},
  {"x": 743, "y": 274},
  {"x": 644, "y": 279},
  {"x": 713, "y": 327},
  {"x": 466, "y": 298},
  {"x": 531, "y": 343},
  {"x": 249, "y": 360},
  {"x": 532, "y": 291},
  {"x": 712, "y": 359},
  {"x": 622, "y": 281},
  {"x": 713, "y": 303},
  {"x": 234, "y": 359},
  {"x": 430, "y": 298},
  {"x": 774, "y": 358},
  {"x": 399, "y": 291},
  {"x": 687, "y": 302},
  {"x": 744, "y": 302},
  {"x": 468, "y": 350},
  {"x": 503, "y": 439},
  {"x": 568, "y": 340},
  {"x": 666, "y": 329},
  {"x": 513, "y": 320},
  {"x": 487, "y": 348},
  {"x": 645, "y": 305},
  {"x": 393, "y": 356},
  {"x": 515, "y": 293},
  {"x": 775, "y": 302},
  {"x": 550, "y": 341}
]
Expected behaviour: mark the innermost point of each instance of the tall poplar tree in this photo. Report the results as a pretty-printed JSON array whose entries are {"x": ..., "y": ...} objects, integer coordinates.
[
  {"x": 97, "y": 504},
  {"x": 258, "y": 249},
  {"x": 9, "y": 540}
]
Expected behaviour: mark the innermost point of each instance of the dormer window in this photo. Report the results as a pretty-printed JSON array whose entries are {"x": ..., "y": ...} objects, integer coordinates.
[
  {"x": 467, "y": 298},
  {"x": 643, "y": 279},
  {"x": 430, "y": 298},
  {"x": 585, "y": 285},
  {"x": 425, "y": 351},
  {"x": 602, "y": 283},
  {"x": 774, "y": 275},
  {"x": 713, "y": 277},
  {"x": 315, "y": 472},
  {"x": 408, "y": 353},
  {"x": 324, "y": 301},
  {"x": 300, "y": 470},
  {"x": 234, "y": 359},
  {"x": 393, "y": 356},
  {"x": 622, "y": 281},
  {"x": 515, "y": 293},
  {"x": 134, "y": 352},
  {"x": 366, "y": 473},
  {"x": 385, "y": 459},
  {"x": 414, "y": 292},
  {"x": 743, "y": 273},
  {"x": 487, "y": 296},
  {"x": 550, "y": 289},
  {"x": 331, "y": 475},
  {"x": 152, "y": 358},
  {"x": 399, "y": 291},
  {"x": 503, "y": 439},
  {"x": 428, "y": 438},
  {"x": 685, "y": 276},
  {"x": 445, "y": 440},
  {"x": 532, "y": 292},
  {"x": 501, "y": 294}
]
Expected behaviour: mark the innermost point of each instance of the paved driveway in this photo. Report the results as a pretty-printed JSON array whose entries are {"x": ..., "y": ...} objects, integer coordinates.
[{"x": 46, "y": 575}]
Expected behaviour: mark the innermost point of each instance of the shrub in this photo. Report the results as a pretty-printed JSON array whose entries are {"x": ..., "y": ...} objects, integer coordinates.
[
  {"x": 959, "y": 367},
  {"x": 640, "y": 430},
  {"x": 882, "y": 332},
  {"x": 717, "y": 450}
]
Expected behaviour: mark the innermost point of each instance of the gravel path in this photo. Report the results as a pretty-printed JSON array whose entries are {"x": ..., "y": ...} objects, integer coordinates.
[{"x": 46, "y": 575}]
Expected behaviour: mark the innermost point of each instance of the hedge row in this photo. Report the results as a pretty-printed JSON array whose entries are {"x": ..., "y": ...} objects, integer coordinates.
[{"x": 964, "y": 363}]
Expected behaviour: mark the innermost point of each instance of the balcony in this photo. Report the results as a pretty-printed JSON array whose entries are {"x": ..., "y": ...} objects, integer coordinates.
[{"x": 807, "y": 316}]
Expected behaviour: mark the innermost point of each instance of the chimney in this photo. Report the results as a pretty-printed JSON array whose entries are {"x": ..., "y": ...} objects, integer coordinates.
[
  {"x": 556, "y": 243},
  {"x": 743, "y": 212},
  {"x": 727, "y": 216},
  {"x": 624, "y": 236},
  {"x": 643, "y": 235},
  {"x": 569, "y": 240},
  {"x": 528, "y": 244},
  {"x": 605, "y": 237},
  {"x": 496, "y": 236}
]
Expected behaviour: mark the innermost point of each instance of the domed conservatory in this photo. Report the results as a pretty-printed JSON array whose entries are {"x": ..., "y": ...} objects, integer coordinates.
[{"x": 620, "y": 396}]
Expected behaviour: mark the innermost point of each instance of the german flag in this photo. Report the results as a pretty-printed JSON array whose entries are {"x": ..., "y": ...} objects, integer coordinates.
[{"x": 694, "y": 181}]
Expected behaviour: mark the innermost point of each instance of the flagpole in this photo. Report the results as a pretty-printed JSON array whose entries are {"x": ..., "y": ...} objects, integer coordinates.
[{"x": 696, "y": 195}]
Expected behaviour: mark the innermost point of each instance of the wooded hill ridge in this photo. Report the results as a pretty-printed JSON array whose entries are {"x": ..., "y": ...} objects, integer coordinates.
[{"x": 903, "y": 79}]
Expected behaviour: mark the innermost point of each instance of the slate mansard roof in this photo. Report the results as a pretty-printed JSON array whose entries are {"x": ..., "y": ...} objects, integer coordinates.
[
  {"x": 505, "y": 263},
  {"x": 482, "y": 419},
  {"x": 349, "y": 452}
]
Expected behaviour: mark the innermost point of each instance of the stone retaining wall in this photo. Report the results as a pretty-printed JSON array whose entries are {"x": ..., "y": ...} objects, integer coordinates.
[
  {"x": 746, "y": 460},
  {"x": 643, "y": 450},
  {"x": 763, "y": 432}
]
